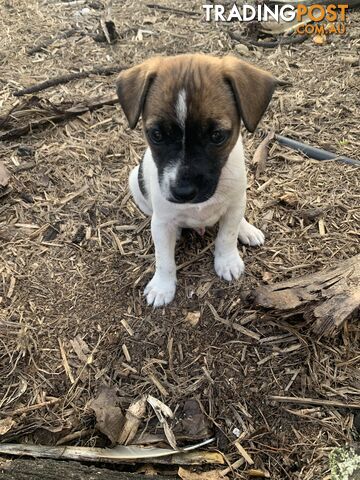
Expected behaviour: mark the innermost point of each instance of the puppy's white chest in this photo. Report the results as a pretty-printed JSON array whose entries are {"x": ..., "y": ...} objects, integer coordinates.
[{"x": 199, "y": 217}]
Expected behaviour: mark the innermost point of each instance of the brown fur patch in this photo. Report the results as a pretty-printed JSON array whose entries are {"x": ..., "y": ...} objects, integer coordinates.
[{"x": 221, "y": 89}]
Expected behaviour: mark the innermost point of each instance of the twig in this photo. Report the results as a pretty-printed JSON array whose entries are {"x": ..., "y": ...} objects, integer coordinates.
[
  {"x": 173, "y": 10},
  {"x": 31, "y": 408},
  {"x": 235, "y": 326},
  {"x": 60, "y": 80},
  {"x": 281, "y": 41},
  {"x": 315, "y": 401},
  {"x": 49, "y": 41},
  {"x": 25, "y": 166},
  {"x": 74, "y": 436},
  {"x": 66, "y": 114},
  {"x": 244, "y": 453},
  {"x": 65, "y": 362}
]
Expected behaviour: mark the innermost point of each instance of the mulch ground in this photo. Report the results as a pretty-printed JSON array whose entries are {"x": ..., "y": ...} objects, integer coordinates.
[{"x": 76, "y": 253}]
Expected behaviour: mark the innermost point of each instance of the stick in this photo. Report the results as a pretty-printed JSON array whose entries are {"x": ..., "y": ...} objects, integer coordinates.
[
  {"x": 173, "y": 10},
  {"x": 31, "y": 408},
  {"x": 235, "y": 326},
  {"x": 281, "y": 41},
  {"x": 314, "y": 401},
  {"x": 69, "y": 113},
  {"x": 49, "y": 41},
  {"x": 60, "y": 80},
  {"x": 313, "y": 152}
]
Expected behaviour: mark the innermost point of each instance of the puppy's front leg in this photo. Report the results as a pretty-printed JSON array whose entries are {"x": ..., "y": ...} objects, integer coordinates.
[
  {"x": 161, "y": 289},
  {"x": 228, "y": 263}
]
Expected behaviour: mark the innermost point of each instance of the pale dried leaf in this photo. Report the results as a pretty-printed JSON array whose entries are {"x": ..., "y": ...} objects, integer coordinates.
[
  {"x": 162, "y": 412},
  {"x": 193, "y": 318},
  {"x": 6, "y": 425},
  {"x": 4, "y": 175},
  {"x": 81, "y": 349},
  {"x": 211, "y": 475},
  {"x": 319, "y": 39},
  {"x": 159, "y": 405}
]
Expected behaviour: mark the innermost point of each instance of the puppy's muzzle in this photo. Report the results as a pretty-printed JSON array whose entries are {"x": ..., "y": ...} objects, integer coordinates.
[{"x": 183, "y": 192}]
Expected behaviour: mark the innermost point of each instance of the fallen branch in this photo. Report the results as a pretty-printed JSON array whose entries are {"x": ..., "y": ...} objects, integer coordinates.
[
  {"x": 58, "y": 114},
  {"x": 178, "y": 11},
  {"x": 265, "y": 44},
  {"x": 49, "y": 41},
  {"x": 60, "y": 80},
  {"x": 326, "y": 298},
  {"x": 31, "y": 408}
]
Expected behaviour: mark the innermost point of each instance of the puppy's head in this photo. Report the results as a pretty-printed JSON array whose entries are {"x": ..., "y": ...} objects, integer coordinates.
[{"x": 192, "y": 107}]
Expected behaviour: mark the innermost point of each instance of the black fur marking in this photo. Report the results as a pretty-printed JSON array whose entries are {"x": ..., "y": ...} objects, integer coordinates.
[{"x": 141, "y": 180}]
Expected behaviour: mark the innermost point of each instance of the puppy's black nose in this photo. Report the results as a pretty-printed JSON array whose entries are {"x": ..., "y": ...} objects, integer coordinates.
[{"x": 183, "y": 193}]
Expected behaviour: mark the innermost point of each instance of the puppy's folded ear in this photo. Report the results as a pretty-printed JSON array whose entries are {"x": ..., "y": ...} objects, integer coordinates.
[
  {"x": 132, "y": 86},
  {"x": 252, "y": 87}
]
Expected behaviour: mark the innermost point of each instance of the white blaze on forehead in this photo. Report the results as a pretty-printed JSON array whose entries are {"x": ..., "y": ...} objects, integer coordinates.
[{"x": 181, "y": 107}]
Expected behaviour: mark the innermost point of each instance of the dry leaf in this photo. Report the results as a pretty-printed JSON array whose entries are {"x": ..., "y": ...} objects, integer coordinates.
[
  {"x": 267, "y": 277},
  {"x": 193, "y": 423},
  {"x": 162, "y": 412},
  {"x": 6, "y": 425},
  {"x": 319, "y": 39},
  {"x": 193, "y": 318},
  {"x": 81, "y": 349},
  {"x": 4, "y": 175},
  {"x": 261, "y": 154},
  {"x": 289, "y": 198},
  {"x": 158, "y": 405},
  {"x": 211, "y": 475},
  {"x": 109, "y": 417}
]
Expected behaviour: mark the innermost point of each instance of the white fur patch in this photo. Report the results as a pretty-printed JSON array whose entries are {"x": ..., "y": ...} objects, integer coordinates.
[
  {"x": 169, "y": 178},
  {"x": 181, "y": 108}
]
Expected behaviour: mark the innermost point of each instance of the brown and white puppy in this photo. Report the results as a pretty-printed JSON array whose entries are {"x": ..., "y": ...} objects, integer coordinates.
[{"x": 193, "y": 172}]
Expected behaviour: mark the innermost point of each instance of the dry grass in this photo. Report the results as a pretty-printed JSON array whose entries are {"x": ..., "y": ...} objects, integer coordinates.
[{"x": 76, "y": 253}]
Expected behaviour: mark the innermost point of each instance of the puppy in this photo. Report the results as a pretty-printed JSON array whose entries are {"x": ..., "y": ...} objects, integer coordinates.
[{"x": 193, "y": 171}]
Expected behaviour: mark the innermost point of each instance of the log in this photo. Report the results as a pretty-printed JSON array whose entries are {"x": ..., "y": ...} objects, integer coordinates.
[
  {"x": 325, "y": 298},
  {"x": 24, "y": 469}
]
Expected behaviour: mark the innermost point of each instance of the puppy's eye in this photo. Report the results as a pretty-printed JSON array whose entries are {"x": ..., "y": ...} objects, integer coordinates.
[
  {"x": 156, "y": 136},
  {"x": 218, "y": 137}
]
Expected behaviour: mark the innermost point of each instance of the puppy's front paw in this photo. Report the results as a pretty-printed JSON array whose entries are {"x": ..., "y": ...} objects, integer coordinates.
[
  {"x": 250, "y": 235},
  {"x": 160, "y": 291},
  {"x": 229, "y": 267}
]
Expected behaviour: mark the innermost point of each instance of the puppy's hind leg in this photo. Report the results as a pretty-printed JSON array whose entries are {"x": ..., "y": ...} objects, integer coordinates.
[{"x": 140, "y": 200}]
